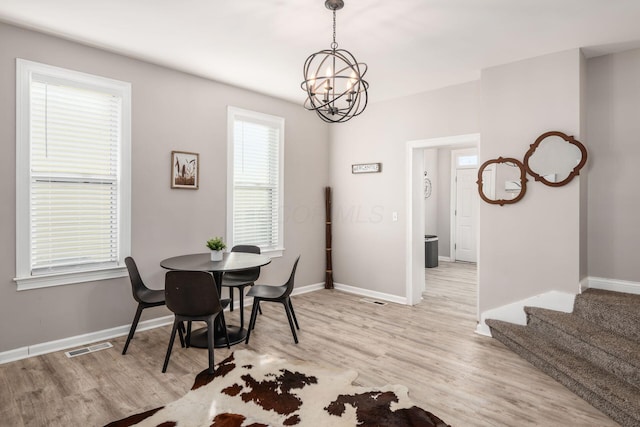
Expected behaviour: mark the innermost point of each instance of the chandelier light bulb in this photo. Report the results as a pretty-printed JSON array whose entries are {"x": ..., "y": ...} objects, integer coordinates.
[
  {"x": 329, "y": 73},
  {"x": 311, "y": 86}
]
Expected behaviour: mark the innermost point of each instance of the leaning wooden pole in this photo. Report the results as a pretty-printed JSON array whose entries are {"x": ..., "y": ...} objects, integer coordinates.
[{"x": 328, "y": 282}]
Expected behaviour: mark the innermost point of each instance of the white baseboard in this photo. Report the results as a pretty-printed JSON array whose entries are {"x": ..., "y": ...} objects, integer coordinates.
[
  {"x": 584, "y": 284},
  {"x": 483, "y": 329},
  {"x": 84, "y": 339},
  {"x": 308, "y": 288},
  {"x": 80, "y": 340},
  {"x": 611, "y": 285},
  {"x": 370, "y": 294},
  {"x": 444, "y": 258},
  {"x": 554, "y": 300},
  {"x": 514, "y": 312}
]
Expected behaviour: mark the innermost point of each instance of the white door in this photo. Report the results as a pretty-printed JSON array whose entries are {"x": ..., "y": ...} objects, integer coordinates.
[{"x": 466, "y": 215}]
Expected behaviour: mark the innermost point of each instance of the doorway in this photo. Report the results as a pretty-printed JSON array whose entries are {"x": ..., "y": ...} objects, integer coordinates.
[
  {"x": 464, "y": 205},
  {"x": 415, "y": 250}
]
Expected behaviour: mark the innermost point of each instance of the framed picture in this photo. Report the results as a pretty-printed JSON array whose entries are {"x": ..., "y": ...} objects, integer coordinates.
[{"x": 185, "y": 170}]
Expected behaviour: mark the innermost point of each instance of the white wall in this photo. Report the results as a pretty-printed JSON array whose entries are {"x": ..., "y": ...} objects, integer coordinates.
[
  {"x": 432, "y": 205},
  {"x": 171, "y": 111},
  {"x": 444, "y": 202},
  {"x": 613, "y": 126},
  {"x": 364, "y": 233},
  {"x": 532, "y": 246}
]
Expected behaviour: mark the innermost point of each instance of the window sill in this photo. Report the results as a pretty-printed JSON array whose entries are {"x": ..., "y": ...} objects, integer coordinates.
[
  {"x": 274, "y": 253},
  {"x": 49, "y": 280}
]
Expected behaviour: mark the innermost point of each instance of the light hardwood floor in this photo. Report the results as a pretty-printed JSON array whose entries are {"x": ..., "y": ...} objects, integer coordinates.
[{"x": 464, "y": 378}]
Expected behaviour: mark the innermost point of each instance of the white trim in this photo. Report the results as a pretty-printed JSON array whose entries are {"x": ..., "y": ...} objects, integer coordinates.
[
  {"x": 611, "y": 285},
  {"x": 25, "y": 70},
  {"x": 273, "y": 253},
  {"x": 411, "y": 146},
  {"x": 80, "y": 340},
  {"x": 371, "y": 294},
  {"x": 248, "y": 302},
  {"x": 514, "y": 312},
  {"x": 232, "y": 113},
  {"x": 483, "y": 329},
  {"x": 36, "y": 282},
  {"x": 444, "y": 258},
  {"x": 84, "y": 339},
  {"x": 553, "y": 300},
  {"x": 584, "y": 284},
  {"x": 23, "y": 182},
  {"x": 453, "y": 202},
  {"x": 308, "y": 288},
  {"x": 230, "y": 127}
]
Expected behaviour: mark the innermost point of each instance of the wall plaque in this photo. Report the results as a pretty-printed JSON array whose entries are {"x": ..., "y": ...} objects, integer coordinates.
[{"x": 366, "y": 168}]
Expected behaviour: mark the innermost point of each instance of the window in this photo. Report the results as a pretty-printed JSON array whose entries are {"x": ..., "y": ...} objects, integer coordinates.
[
  {"x": 72, "y": 176},
  {"x": 255, "y": 180},
  {"x": 468, "y": 161}
]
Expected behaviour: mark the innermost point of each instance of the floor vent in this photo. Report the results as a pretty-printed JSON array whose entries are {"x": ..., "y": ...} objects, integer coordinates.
[
  {"x": 90, "y": 349},
  {"x": 373, "y": 301}
]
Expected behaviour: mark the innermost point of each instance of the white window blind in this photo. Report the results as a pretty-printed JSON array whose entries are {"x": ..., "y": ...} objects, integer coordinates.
[
  {"x": 74, "y": 177},
  {"x": 256, "y": 143},
  {"x": 76, "y": 164}
]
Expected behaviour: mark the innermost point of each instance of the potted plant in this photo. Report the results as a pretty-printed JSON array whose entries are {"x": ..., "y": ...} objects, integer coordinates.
[{"x": 216, "y": 245}]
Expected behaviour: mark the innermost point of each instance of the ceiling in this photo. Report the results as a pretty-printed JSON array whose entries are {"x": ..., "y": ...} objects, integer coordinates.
[{"x": 410, "y": 46}]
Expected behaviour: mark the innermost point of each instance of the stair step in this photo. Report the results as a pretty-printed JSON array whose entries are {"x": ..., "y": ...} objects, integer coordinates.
[
  {"x": 616, "y": 311},
  {"x": 615, "y": 397},
  {"x": 598, "y": 345}
]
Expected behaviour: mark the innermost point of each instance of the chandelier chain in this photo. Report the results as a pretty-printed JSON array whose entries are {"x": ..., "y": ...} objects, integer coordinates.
[{"x": 334, "y": 45}]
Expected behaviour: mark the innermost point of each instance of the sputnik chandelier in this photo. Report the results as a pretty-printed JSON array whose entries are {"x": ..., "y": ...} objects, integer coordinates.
[{"x": 333, "y": 80}]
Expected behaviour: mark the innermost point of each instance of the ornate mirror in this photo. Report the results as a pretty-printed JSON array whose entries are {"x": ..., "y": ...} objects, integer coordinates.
[
  {"x": 555, "y": 158},
  {"x": 502, "y": 181}
]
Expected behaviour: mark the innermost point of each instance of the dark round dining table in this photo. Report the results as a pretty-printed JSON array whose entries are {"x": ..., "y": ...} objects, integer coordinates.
[{"x": 231, "y": 261}]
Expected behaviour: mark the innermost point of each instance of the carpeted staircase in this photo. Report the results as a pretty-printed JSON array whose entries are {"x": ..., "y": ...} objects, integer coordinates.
[{"x": 594, "y": 351}]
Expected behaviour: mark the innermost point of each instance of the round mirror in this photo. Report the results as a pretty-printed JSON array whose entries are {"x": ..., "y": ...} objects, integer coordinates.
[
  {"x": 555, "y": 158},
  {"x": 502, "y": 181}
]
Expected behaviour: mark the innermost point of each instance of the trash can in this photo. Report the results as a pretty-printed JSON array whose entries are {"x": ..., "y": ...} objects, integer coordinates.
[{"x": 430, "y": 251}]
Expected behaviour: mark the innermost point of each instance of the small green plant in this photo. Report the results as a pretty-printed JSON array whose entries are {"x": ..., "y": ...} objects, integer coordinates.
[{"x": 216, "y": 244}]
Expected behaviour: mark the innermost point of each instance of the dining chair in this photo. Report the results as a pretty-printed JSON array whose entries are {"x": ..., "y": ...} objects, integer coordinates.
[
  {"x": 279, "y": 294},
  {"x": 241, "y": 279},
  {"x": 193, "y": 296},
  {"x": 145, "y": 297}
]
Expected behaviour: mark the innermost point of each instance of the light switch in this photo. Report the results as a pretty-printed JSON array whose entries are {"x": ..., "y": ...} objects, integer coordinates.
[{"x": 394, "y": 216}]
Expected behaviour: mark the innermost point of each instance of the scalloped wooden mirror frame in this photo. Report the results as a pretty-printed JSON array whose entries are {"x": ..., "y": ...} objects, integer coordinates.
[
  {"x": 523, "y": 181},
  {"x": 574, "y": 172}
]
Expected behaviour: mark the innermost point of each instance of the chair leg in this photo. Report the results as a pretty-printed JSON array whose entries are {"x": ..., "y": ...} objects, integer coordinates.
[
  {"x": 181, "y": 332},
  {"x": 289, "y": 317},
  {"x": 210, "y": 342},
  {"x": 188, "y": 337},
  {"x": 241, "y": 290},
  {"x": 259, "y": 309},
  {"x": 134, "y": 325},
  {"x": 252, "y": 322},
  {"x": 223, "y": 323},
  {"x": 295, "y": 320},
  {"x": 171, "y": 340},
  {"x": 231, "y": 298}
]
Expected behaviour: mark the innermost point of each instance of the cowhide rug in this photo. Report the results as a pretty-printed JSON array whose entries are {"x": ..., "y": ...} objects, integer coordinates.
[{"x": 251, "y": 390}]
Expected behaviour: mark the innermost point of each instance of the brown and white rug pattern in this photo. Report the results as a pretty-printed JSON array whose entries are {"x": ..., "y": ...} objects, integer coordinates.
[{"x": 251, "y": 390}]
